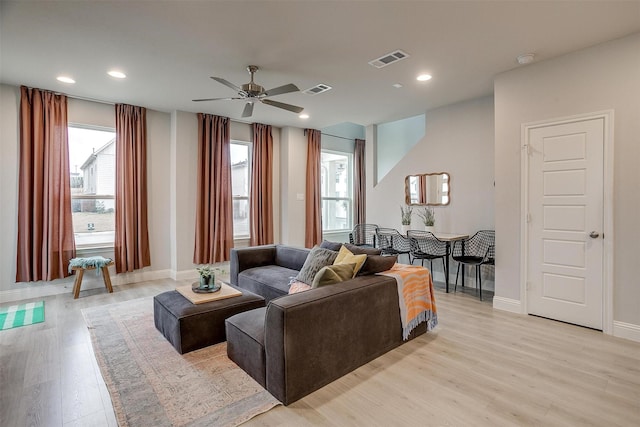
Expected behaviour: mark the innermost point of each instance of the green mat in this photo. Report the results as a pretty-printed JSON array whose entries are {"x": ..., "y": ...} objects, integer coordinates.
[{"x": 21, "y": 315}]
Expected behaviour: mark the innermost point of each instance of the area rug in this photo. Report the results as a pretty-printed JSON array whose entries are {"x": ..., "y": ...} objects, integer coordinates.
[
  {"x": 152, "y": 385},
  {"x": 21, "y": 315}
]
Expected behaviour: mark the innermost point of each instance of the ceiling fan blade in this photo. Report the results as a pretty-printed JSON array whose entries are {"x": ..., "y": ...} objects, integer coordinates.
[
  {"x": 248, "y": 110},
  {"x": 281, "y": 89},
  {"x": 214, "y": 99},
  {"x": 282, "y": 105},
  {"x": 227, "y": 83}
]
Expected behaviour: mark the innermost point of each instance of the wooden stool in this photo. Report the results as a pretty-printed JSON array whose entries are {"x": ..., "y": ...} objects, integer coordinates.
[{"x": 80, "y": 272}]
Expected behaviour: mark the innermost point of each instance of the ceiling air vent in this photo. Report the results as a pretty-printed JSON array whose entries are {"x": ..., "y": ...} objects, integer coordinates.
[
  {"x": 389, "y": 58},
  {"x": 319, "y": 88}
]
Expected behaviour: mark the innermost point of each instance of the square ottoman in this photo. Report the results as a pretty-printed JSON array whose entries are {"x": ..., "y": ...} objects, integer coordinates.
[{"x": 189, "y": 326}]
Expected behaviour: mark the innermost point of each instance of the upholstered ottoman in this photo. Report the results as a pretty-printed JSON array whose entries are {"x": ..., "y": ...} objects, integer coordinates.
[{"x": 189, "y": 326}]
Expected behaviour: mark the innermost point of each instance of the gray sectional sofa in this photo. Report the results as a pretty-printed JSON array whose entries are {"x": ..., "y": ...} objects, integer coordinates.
[{"x": 301, "y": 342}]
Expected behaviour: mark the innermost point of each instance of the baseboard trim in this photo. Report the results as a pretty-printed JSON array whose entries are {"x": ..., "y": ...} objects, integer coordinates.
[
  {"x": 507, "y": 304},
  {"x": 626, "y": 330},
  {"x": 184, "y": 274}
]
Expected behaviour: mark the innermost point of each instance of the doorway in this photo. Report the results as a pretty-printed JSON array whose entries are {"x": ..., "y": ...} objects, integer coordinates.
[{"x": 567, "y": 220}]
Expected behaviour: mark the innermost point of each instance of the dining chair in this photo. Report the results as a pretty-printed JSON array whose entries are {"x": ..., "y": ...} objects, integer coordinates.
[
  {"x": 391, "y": 242},
  {"x": 477, "y": 250},
  {"x": 363, "y": 235},
  {"x": 425, "y": 245}
]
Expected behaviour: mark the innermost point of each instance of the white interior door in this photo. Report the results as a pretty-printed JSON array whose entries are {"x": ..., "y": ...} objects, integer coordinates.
[{"x": 565, "y": 234}]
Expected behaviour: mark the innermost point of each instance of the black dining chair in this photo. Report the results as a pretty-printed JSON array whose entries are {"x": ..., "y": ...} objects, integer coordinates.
[
  {"x": 477, "y": 250},
  {"x": 425, "y": 245},
  {"x": 391, "y": 242},
  {"x": 363, "y": 235}
]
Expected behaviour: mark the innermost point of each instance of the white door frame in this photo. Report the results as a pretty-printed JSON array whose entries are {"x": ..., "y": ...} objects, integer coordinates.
[{"x": 607, "y": 273}]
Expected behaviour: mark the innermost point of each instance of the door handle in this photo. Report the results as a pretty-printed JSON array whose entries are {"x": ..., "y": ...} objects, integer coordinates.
[{"x": 594, "y": 234}]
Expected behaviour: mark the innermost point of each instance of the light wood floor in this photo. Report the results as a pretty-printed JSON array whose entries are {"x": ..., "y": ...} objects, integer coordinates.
[{"x": 481, "y": 367}]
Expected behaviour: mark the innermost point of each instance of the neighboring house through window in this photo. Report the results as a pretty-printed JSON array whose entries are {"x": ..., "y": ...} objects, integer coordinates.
[
  {"x": 92, "y": 167},
  {"x": 337, "y": 190},
  {"x": 240, "y": 170}
]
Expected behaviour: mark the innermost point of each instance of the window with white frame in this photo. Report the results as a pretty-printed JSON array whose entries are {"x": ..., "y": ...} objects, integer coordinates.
[
  {"x": 240, "y": 187},
  {"x": 337, "y": 190},
  {"x": 92, "y": 164}
]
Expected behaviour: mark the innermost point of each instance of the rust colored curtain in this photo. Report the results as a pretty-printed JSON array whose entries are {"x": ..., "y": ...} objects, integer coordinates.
[
  {"x": 214, "y": 212},
  {"x": 45, "y": 228},
  {"x": 132, "y": 235},
  {"x": 422, "y": 189},
  {"x": 359, "y": 183},
  {"x": 260, "y": 196},
  {"x": 313, "y": 200}
]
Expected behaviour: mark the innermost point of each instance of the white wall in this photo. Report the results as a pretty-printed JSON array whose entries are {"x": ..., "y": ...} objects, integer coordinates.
[
  {"x": 595, "y": 79},
  {"x": 293, "y": 158},
  {"x": 458, "y": 140},
  {"x": 395, "y": 139}
]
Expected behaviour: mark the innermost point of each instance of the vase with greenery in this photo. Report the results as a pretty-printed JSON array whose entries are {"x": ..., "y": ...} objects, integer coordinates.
[
  {"x": 427, "y": 214},
  {"x": 405, "y": 213},
  {"x": 207, "y": 276}
]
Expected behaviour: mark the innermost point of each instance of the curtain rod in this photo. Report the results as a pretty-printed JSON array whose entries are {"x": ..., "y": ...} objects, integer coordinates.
[
  {"x": 82, "y": 98},
  {"x": 334, "y": 136},
  {"x": 341, "y": 137}
]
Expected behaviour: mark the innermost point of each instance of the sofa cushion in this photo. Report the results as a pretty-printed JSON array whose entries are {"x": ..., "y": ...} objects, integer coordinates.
[
  {"x": 345, "y": 256},
  {"x": 245, "y": 343},
  {"x": 270, "y": 281},
  {"x": 317, "y": 258},
  {"x": 333, "y": 274},
  {"x": 291, "y": 257},
  {"x": 377, "y": 264}
]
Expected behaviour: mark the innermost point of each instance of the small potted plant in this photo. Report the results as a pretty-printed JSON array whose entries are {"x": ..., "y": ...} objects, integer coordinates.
[
  {"x": 207, "y": 276},
  {"x": 405, "y": 213},
  {"x": 428, "y": 218}
]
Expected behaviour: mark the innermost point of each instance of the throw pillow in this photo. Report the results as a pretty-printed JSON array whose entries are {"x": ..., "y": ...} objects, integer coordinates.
[
  {"x": 317, "y": 258},
  {"x": 297, "y": 286},
  {"x": 357, "y": 250},
  {"x": 332, "y": 274},
  {"x": 363, "y": 249},
  {"x": 334, "y": 246},
  {"x": 377, "y": 264},
  {"x": 345, "y": 256}
]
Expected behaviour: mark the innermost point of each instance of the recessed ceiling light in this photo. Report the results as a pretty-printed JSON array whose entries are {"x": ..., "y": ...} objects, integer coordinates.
[
  {"x": 397, "y": 85},
  {"x": 117, "y": 74},
  {"x": 304, "y": 116},
  {"x": 525, "y": 58},
  {"x": 65, "y": 79},
  {"x": 423, "y": 77}
]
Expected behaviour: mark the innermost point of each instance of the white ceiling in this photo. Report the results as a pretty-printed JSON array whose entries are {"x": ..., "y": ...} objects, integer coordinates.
[{"x": 168, "y": 49}]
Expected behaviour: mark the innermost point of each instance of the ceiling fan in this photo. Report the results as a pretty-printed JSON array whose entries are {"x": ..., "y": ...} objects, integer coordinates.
[{"x": 253, "y": 92}]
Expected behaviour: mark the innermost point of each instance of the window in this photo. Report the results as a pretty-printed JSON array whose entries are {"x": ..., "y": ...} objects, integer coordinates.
[
  {"x": 240, "y": 155},
  {"x": 92, "y": 164},
  {"x": 336, "y": 186}
]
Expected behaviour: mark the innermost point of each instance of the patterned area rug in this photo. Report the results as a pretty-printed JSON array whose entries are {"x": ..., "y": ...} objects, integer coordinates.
[
  {"x": 21, "y": 315},
  {"x": 152, "y": 385}
]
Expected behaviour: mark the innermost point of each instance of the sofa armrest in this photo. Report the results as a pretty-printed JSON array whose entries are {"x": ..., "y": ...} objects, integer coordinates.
[
  {"x": 246, "y": 258},
  {"x": 314, "y": 337}
]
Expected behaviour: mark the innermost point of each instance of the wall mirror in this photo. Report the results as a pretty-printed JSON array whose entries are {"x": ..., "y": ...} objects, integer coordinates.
[{"x": 431, "y": 189}]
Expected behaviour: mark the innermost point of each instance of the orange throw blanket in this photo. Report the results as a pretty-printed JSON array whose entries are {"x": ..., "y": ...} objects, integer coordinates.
[{"x": 415, "y": 295}]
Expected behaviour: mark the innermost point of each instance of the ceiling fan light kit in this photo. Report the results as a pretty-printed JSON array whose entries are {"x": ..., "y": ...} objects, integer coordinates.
[{"x": 253, "y": 92}]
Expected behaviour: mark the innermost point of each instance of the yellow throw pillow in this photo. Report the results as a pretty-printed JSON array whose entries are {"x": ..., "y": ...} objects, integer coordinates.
[{"x": 345, "y": 256}]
